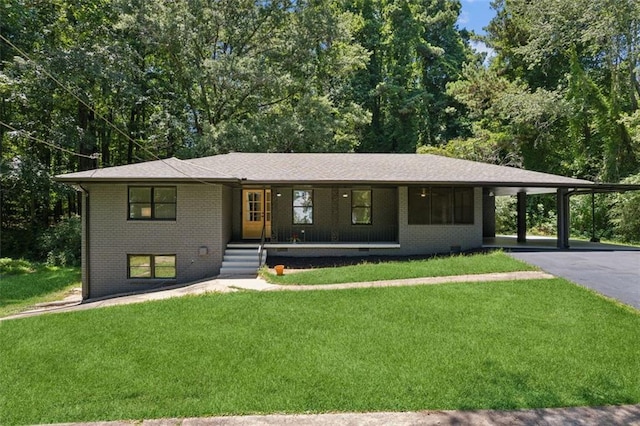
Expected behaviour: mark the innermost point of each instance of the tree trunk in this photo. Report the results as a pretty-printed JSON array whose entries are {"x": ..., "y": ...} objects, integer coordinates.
[{"x": 86, "y": 121}]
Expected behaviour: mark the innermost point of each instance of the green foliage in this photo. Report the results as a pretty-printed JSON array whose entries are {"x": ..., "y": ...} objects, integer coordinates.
[
  {"x": 502, "y": 345},
  {"x": 585, "y": 55},
  {"x": 61, "y": 242},
  {"x": 582, "y": 217},
  {"x": 506, "y": 216},
  {"x": 541, "y": 220},
  {"x": 10, "y": 266},
  {"x": 485, "y": 146},
  {"x": 415, "y": 51},
  {"x": 624, "y": 213}
]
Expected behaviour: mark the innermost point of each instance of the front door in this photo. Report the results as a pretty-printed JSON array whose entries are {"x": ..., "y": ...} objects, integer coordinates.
[{"x": 256, "y": 213}]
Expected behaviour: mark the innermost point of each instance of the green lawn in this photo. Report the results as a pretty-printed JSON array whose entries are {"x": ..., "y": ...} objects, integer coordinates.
[
  {"x": 502, "y": 345},
  {"x": 23, "y": 284},
  {"x": 496, "y": 261}
]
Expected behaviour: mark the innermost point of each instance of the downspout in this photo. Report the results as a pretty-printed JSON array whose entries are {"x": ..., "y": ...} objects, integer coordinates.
[{"x": 87, "y": 240}]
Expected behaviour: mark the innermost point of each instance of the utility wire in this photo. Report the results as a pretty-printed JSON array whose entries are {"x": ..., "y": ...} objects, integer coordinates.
[
  {"x": 52, "y": 145},
  {"x": 112, "y": 125}
]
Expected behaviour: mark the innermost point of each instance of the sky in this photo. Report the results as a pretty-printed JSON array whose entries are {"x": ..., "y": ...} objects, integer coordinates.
[{"x": 475, "y": 15}]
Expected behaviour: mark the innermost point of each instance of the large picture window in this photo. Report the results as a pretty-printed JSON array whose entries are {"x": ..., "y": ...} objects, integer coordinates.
[
  {"x": 152, "y": 202},
  {"x": 441, "y": 205},
  {"x": 151, "y": 266},
  {"x": 441, "y": 208},
  {"x": 419, "y": 206},
  {"x": 463, "y": 205},
  {"x": 303, "y": 207},
  {"x": 361, "y": 207}
]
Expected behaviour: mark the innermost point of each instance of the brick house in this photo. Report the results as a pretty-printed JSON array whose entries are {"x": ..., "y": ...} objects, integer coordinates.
[{"x": 174, "y": 221}]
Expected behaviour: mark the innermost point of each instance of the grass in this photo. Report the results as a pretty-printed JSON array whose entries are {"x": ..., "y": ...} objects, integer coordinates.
[
  {"x": 23, "y": 284},
  {"x": 496, "y": 261},
  {"x": 500, "y": 345}
]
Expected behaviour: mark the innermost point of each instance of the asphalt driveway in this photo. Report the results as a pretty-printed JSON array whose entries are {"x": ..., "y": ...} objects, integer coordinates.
[{"x": 613, "y": 273}]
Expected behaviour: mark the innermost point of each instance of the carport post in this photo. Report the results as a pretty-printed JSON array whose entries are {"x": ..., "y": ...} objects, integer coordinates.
[
  {"x": 562, "y": 203},
  {"x": 522, "y": 217}
]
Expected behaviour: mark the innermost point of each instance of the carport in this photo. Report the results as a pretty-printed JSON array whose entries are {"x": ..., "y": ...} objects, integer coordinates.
[{"x": 563, "y": 194}]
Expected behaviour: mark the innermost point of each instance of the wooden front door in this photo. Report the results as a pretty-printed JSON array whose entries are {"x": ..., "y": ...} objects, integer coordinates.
[{"x": 256, "y": 213}]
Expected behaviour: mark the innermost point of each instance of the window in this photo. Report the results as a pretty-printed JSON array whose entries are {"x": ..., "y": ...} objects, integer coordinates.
[
  {"x": 152, "y": 202},
  {"x": 441, "y": 213},
  {"x": 440, "y": 206},
  {"x": 302, "y": 206},
  {"x": 419, "y": 206},
  {"x": 361, "y": 207},
  {"x": 151, "y": 266},
  {"x": 463, "y": 205}
]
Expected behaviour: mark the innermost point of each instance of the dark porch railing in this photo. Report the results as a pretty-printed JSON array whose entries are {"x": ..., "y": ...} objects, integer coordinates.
[{"x": 340, "y": 234}]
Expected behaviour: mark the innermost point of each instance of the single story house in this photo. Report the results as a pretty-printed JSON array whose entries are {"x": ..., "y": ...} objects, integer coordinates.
[{"x": 174, "y": 221}]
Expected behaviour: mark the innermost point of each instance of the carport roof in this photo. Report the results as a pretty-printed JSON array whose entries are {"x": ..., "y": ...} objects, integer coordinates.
[{"x": 352, "y": 169}]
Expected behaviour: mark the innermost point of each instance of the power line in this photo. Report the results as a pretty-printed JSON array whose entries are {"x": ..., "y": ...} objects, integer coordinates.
[
  {"x": 90, "y": 108},
  {"x": 52, "y": 145}
]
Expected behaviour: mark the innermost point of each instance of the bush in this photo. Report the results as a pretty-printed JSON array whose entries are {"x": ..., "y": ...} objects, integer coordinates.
[
  {"x": 10, "y": 266},
  {"x": 61, "y": 242},
  {"x": 624, "y": 212},
  {"x": 581, "y": 216},
  {"x": 541, "y": 219},
  {"x": 506, "y": 216}
]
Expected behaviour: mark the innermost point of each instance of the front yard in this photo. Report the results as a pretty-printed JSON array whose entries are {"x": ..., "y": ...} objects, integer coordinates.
[{"x": 545, "y": 343}]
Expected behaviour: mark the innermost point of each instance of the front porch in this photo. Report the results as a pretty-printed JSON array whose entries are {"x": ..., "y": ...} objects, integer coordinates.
[{"x": 316, "y": 217}]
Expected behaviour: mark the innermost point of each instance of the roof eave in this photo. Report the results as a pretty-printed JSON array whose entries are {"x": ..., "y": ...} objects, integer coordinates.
[
  {"x": 418, "y": 182},
  {"x": 183, "y": 180}
]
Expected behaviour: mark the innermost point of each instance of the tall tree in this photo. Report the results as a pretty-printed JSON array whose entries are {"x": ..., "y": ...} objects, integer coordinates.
[{"x": 416, "y": 50}]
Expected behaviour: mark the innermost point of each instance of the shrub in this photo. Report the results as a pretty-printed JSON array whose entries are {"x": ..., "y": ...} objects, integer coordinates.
[
  {"x": 541, "y": 219},
  {"x": 624, "y": 212},
  {"x": 10, "y": 266},
  {"x": 581, "y": 216},
  {"x": 61, "y": 242},
  {"x": 506, "y": 216}
]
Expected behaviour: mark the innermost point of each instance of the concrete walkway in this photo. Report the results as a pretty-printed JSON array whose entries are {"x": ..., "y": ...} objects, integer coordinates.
[
  {"x": 226, "y": 285},
  {"x": 583, "y": 416}
]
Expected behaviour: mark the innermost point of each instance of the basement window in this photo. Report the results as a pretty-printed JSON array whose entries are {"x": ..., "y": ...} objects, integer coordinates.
[{"x": 151, "y": 266}]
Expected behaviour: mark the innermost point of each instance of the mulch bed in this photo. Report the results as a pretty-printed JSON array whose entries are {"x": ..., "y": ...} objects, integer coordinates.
[{"x": 332, "y": 261}]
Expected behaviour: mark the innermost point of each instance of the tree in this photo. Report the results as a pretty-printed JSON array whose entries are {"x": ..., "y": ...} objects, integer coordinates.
[{"x": 415, "y": 51}]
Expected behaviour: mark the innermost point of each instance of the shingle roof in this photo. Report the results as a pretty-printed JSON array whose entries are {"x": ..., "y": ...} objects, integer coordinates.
[{"x": 326, "y": 168}]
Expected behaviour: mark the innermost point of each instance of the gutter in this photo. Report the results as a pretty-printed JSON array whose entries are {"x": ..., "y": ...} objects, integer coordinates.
[{"x": 87, "y": 238}]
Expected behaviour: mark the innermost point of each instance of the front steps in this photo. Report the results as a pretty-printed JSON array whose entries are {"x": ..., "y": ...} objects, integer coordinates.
[{"x": 241, "y": 260}]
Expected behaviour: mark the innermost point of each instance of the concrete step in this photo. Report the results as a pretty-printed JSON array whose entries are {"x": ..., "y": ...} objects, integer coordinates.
[
  {"x": 243, "y": 246},
  {"x": 241, "y": 259},
  {"x": 251, "y": 263},
  {"x": 235, "y": 256},
  {"x": 238, "y": 271},
  {"x": 242, "y": 252}
]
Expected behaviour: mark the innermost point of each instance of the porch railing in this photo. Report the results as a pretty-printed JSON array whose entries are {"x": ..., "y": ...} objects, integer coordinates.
[{"x": 342, "y": 234}]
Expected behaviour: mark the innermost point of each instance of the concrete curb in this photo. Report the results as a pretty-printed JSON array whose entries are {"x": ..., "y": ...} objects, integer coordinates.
[{"x": 574, "y": 416}]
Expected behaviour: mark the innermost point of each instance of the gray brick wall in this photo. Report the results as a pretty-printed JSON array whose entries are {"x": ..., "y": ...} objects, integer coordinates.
[
  {"x": 205, "y": 218},
  {"x": 420, "y": 239},
  {"x": 201, "y": 222}
]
